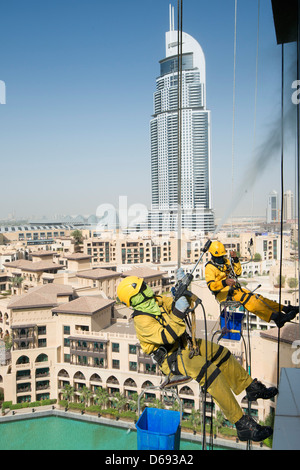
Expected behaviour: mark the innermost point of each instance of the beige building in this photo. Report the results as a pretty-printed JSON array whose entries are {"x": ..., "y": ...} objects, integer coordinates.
[
  {"x": 28, "y": 274},
  {"x": 103, "y": 280},
  {"x": 59, "y": 338}
]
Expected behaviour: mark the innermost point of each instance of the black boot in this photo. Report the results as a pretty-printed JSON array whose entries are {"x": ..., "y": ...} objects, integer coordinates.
[
  {"x": 249, "y": 430},
  {"x": 258, "y": 390},
  {"x": 281, "y": 318},
  {"x": 289, "y": 308}
]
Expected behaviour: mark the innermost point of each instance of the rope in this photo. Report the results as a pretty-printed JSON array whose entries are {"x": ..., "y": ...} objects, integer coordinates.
[
  {"x": 179, "y": 110},
  {"x": 282, "y": 196},
  {"x": 255, "y": 96},
  {"x": 233, "y": 109},
  {"x": 298, "y": 153}
]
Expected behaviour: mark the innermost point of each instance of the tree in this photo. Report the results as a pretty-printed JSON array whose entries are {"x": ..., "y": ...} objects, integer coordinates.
[
  {"x": 158, "y": 404},
  {"x": 101, "y": 397},
  {"x": 257, "y": 257},
  {"x": 68, "y": 393},
  {"x": 219, "y": 420},
  {"x": 16, "y": 281},
  {"x": 7, "y": 342},
  {"x": 195, "y": 419},
  {"x": 134, "y": 402},
  {"x": 77, "y": 235},
  {"x": 85, "y": 395},
  {"x": 119, "y": 401}
]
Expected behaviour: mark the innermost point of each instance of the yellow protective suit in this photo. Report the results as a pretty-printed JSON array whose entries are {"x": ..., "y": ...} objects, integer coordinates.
[
  {"x": 225, "y": 376},
  {"x": 216, "y": 276}
]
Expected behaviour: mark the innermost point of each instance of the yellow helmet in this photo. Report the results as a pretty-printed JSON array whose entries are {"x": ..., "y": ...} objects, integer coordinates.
[
  {"x": 217, "y": 249},
  {"x": 128, "y": 288}
]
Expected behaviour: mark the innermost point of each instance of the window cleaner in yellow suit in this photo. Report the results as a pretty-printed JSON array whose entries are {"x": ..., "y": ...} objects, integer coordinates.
[
  {"x": 160, "y": 324},
  {"x": 221, "y": 277}
]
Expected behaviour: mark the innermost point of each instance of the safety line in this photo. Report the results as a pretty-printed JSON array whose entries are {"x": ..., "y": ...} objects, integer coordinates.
[
  {"x": 282, "y": 195},
  {"x": 255, "y": 96},
  {"x": 233, "y": 109},
  {"x": 179, "y": 130}
]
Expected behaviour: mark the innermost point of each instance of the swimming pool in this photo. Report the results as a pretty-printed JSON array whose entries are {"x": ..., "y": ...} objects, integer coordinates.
[{"x": 58, "y": 433}]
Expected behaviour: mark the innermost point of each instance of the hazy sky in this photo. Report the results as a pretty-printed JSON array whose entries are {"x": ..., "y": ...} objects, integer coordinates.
[{"x": 80, "y": 77}]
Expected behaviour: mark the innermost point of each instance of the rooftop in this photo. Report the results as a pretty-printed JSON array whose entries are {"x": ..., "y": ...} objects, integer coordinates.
[
  {"x": 40, "y": 297},
  {"x": 288, "y": 334},
  {"x": 77, "y": 256},
  {"x": 145, "y": 273},
  {"x": 33, "y": 266},
  {"x": 84, "y": 306},
  {"x": 98, "y": 273}
]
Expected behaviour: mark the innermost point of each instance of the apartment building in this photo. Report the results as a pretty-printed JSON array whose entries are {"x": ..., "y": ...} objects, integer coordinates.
[
  {"x": 104, "y": 280},
  {"x": 28, "y": 274},
  {"x": 130, "y": 250}
]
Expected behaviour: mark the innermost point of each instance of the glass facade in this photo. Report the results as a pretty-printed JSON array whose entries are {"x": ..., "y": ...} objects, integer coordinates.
[{"x": 170, "y": 65}]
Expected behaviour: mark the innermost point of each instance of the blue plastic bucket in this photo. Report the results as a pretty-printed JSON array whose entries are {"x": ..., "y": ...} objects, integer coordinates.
[
  {"x": 158, "y": 430},
  {"x": 233, "y": 323}
]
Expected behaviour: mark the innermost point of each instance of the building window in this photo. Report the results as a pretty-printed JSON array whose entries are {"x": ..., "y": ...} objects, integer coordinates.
[
  {"x": 115, "y": 364},
  {"x": 42, "y": 330},
  {"x": 42, "y": 343},
  {"x": 66, "y": 330},
  {"x": 115, "y": 347},
  {"x": 132, "y": 349}
]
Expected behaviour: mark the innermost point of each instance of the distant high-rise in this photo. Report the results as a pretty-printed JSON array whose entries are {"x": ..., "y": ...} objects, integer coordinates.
[
  {"x": 196, "y": 204},
  {"x": 288, "y": 205},
  {"x": 272, "y": 208}
]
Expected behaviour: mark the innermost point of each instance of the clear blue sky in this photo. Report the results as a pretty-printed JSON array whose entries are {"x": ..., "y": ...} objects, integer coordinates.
[{"x": 80, "y": 77}]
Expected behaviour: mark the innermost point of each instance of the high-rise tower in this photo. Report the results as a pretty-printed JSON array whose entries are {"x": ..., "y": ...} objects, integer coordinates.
[{"x": 196, "y": 201}]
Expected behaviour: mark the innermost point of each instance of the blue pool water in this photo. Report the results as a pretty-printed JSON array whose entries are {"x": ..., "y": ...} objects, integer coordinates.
[{"x": 55, "y": 433}]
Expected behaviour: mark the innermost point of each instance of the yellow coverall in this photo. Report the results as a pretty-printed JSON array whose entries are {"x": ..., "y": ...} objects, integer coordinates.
[
  {"x": 225, "y": 375},
  {"x": 216, "y": 276}
]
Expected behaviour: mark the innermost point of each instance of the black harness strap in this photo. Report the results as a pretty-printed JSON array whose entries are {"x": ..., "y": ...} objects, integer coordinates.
[
  {"x": 218, "y": 353},
  {"x": 225, "y": 358}
]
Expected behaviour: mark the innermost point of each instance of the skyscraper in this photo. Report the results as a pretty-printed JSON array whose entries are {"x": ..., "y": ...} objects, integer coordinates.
[
  {"x": 196, "y": 204},
  {"x": 272, "y": 207},
  {"x": 288, "y": 205}
]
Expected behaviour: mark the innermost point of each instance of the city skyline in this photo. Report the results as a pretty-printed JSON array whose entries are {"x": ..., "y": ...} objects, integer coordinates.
[{"x": 75, "y": 125}]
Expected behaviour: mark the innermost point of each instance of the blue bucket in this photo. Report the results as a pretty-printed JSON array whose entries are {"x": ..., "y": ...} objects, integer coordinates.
[
  {"x": 233, "y": 324},
  {"x": 158, "y": 430}
]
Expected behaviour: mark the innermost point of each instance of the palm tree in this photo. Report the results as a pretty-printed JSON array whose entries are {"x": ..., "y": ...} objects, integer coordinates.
[
  {"x": 68, "y": 393},
  {"x": 219, "y": 420},
  {"x": 101, "y": 397},
  {"x": 158, "y": 404},
  {"x": 134, "y": 402},
  {"x": 195, "y": 419},
  {"x": 119, "y": 401},
  {"x": 16, "y": 281},
  {"x": 85, "y": 395}
]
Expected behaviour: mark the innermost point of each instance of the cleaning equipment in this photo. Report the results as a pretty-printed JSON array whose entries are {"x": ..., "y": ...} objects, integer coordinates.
[
  {"x": 231, "y": 322},
  {"x": 159, "y": 429},
  {"x": 182, "y": 289}
]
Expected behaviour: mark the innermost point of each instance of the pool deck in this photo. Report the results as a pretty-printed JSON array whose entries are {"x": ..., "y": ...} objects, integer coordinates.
[{"x": 46, "y": 411}]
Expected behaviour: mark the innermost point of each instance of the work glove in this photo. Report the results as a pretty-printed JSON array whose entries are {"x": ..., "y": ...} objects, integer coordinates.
[
  {"x": 179, "y": 274},
  {"x": 182, "y": 304}
]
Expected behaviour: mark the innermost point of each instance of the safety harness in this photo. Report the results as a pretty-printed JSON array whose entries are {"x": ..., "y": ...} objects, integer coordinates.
[{"x": 165, "y": 351}]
